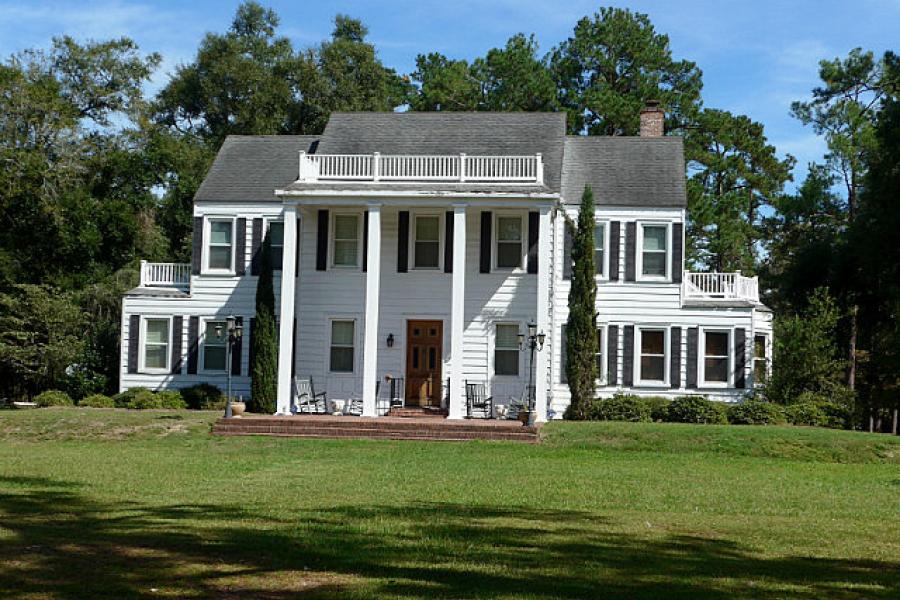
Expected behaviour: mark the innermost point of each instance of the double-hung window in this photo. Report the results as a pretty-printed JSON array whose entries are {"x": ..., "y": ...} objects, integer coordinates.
[
  {"x": 760, "y": 358},
  {"x": 652, "y": 356},
  {"x": 346, "y": 241},
  {"x": 598, "y": 357},
  {"x": 599, "y": 248},
  {"x": 156, "y": 344},
  {"x": 506, "y": 349},
  {"x": 654, "y": 251},
  {"x": 276, "y": 241},
  {"x": 427, "y": 242},
  {"x": 215, "y": 338},
  {"x": 715, "y": 357},
  {"x": 220, "y": 251},
  {"x": 509, "y": 242},
  {"x": 343, "y": 334}
]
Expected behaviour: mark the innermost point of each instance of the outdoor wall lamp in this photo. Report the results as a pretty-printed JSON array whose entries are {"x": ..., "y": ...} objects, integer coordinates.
[{"x": 390, "y": 340}]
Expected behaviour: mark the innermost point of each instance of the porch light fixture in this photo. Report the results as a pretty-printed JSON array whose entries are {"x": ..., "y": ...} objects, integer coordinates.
[{"x": 390, "y": 340}]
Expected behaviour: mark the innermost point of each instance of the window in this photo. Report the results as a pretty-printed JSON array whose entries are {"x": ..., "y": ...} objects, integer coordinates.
[
  {"x": 760, "y": 358},
  {"x": 220, "y": 245},
  {"x": 715, "y": 357},
  {"x": 509, "y": 242},
  {"x": 156, "y": 344},
  {"x": 599, "y": 247},
  {"x": 276, "y": 240},
  {"x": 653, "y": 355},
  {"x": 506, "y": 349},
  {"x": 346, "y": 241},
  {"x": 214, "y": 346},
  {"x": 342, "y": 336},
  {"x": 427, "y": 245},
  {"x": 599, "y": 355},
  {"x": 654, "y": 250}
]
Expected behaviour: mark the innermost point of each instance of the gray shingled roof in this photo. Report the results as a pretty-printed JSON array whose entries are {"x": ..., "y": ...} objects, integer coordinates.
[
  {"x": 249, "y": 168},
  {"x": 625, "y": 171}
]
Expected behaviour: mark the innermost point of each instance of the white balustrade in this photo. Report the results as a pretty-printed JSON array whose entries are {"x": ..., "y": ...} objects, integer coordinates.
[
  {"x": 719, "y": 286},
  {"x": 177, "y": 275}
]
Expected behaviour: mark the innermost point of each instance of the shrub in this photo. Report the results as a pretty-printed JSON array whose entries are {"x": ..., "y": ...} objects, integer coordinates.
[
  {"x": 621, "y": 407},
  {"x": 755, "y": 412},
  {"x": 145, "y": 399},
  {"x": 695, "y": 409},
  {"x": 817, "y": 409},
  {"x": 53, "y": 398},
  {"x": 658, "y": 407},
  {"x": 97, "y": 401},
  {"x": 123, "y": 399},
  {"x": 170, "y": 399},
  {"x": 204, "y": 396},
  {"x": 806, "y": 413}
]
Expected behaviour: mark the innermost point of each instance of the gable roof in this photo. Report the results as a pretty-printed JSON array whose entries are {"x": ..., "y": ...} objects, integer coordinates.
[
  {"x": 625, "y": 171},
  {"x": 249, "y": 168}
]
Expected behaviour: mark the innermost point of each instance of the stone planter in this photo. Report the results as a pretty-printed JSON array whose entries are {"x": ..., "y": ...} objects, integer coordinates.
[
  {"x": 238, "y": 408},
  {"x": 525, "y": 416}
]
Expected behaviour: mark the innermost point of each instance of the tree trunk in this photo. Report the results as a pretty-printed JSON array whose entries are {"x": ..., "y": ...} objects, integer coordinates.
[
  {"x": 894, "y": 423},
  {"x": 851, "y": 370}
]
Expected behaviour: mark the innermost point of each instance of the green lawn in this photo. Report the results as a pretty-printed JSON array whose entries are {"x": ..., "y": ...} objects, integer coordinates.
[{"x": 117, "y": 504}]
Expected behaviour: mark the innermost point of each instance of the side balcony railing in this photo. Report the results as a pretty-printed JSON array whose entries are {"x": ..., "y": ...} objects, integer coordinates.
[
  {"x": 166, "y": 275},
  {"x": 719, "y": 286},
  {"x": 459, "y": 168}
]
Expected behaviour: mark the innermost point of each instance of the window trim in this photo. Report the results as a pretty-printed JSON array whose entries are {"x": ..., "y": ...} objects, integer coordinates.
[
  {"x": 493, "y": 349},
  {"x": 441, "y": 241},
  {"x": 667, "y": 353},
  {"x": 207, "y": 243},
  {"x": 602, "y": 375},
  {"x": 142, "y": 367},
  {"x": 701, "y": 358},
  {"x": 201, "y": 357},
  {"x": 356, "y": 346},
  {"x": 767, "y": 359},
  {"x": 333, "y": 239},
  {"x": 495, "y": 242},
  {"x": 604, "y": 276},
  {"x": 639, "y": 251}
]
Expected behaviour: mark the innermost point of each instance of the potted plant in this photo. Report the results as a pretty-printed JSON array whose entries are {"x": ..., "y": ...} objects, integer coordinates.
[
  {"x": 238, "y": 407},
  {"x": 525, "y": 415}
]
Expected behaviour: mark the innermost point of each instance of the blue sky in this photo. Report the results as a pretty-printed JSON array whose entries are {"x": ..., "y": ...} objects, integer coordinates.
[{"x": 756, "y": 56}]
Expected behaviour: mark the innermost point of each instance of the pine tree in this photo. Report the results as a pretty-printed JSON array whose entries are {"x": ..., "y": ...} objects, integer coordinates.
[
  {"x": 264, "y": 338},
  {"x": 581, "y": 336}
]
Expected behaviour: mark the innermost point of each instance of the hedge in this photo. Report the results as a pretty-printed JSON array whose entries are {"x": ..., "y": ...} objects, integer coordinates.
[
  {"x": 695, "y": 409},
  {"x": 97, "y": 401},
  {"x": 621, "y": 407},
  {"x": 204, "y": 396},
  {"x": 756, "y": 412},
  {"x": 53, "y": 398}
]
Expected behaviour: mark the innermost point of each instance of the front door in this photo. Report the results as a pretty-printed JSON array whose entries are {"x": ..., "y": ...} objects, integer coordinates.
[{"x": 425, "y": 342}]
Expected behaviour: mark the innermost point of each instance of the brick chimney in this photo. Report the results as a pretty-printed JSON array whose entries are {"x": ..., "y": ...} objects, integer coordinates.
[{"x": 653, "y": 120}]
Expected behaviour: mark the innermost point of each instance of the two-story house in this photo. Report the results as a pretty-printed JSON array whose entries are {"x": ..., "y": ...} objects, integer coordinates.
[{"x": 421, "y": 245}]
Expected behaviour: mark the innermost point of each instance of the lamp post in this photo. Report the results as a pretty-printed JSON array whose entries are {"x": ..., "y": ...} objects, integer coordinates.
[
  {"x": 233, "y": 331},
  {"x": 535, "y": 342}
]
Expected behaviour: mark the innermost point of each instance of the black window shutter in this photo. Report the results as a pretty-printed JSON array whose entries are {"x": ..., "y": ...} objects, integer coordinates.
[
  {"x": 677, "y": 252},
  {"x": 294, "y": 349},
  {"x": 193, "y": 344},
  {"x": 177, "y": 325},
  {"x": 567, "y": 251},
  {"x": 237, "y": 350},
  {"x": 675, "y": 357},
  {"x": 485, "y": 255},
  {"x": 563, "y": 357},
  {"x": 628, "y": 356},
  {"x": 365, "y": 260},
  {"x": 403, "y": 241},
  {"x": 691, "y": 377},
  {"x": 240, "y": 248},
  {"x": 614, "y": 233},
  {"x": 256, "y": 244},
  {"x": 197, "y": 245},
  {"x": 534, "y": 228},
  {"x": 612, "y": 355},
  {"x": 297, "y": 250},
  {"x": 630, "y": 247},
  {"x": 448, "y": 242},
  {"x": 134, "y": 339},
  {"x": 740, "y": 357},
  {"x": 322, "y": 241},
  {"x": 251, "y": 353}
]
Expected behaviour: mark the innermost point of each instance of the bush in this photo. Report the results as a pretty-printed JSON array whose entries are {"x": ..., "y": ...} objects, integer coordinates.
[
  {"x": 755, "y": 412},
  {"x": 658, "y": 407},
  {"x": 170, "y": 399},
  {"x": 621, "y": 407},
  {"x": 53, "y": 398},
  {"x": 123, "y": 399},
  {"x": 695, "y": 409},
  {"x": 97, "y": 401},
  {"x": 204, "y": 396},
  {"x": 819, "y": 410},
  {"x": 806, "y": 413},
  {"x": 145, "y": 399}
]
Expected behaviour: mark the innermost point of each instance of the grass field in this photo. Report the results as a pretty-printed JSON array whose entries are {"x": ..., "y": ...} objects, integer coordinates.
[{"x": 118, "y": 504}]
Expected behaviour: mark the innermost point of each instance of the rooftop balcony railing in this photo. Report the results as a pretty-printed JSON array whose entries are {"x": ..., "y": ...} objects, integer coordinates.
[
  {"x": 719, "y": 286},
  {"x": 454, "y": 168},
  {"x": 166, "y": 275}
]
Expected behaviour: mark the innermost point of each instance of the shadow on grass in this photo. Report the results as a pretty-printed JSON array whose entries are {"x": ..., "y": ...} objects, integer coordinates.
[{"x": 63, "y": 544}]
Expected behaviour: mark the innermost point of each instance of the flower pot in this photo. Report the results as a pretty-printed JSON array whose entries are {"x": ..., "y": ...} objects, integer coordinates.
[
  {"x": 238, "y": 408},
  {"x": 525, "y": 416}
]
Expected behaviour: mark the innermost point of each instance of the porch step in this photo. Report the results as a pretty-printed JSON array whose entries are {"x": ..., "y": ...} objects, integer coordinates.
[
  {"x": 395, "y": 428},
  {"x": 418, "y": 412}
]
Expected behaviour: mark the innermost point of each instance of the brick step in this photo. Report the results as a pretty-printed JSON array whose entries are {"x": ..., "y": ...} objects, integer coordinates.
[
  {"x": 379, "y": 423},
  {"x": 417, "y": 412},
  {"x": 387, "y": 434}
]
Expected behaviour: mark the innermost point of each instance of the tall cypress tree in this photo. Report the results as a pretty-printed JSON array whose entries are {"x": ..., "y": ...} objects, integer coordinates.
[
  {"x": 264, "y": 338},
  {"x": 581, "y": 335}
]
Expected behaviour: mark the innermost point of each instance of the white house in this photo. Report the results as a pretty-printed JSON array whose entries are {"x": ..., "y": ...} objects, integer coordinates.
[{"x": 419, "y": 245}]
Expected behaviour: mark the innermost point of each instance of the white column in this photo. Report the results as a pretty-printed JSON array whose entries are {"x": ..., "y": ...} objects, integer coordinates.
[
  {"x": 543, "y": 314},
  {"x": 457, "y": 313},
  {"x": 288, "y": 298},
  {"x": 373, "y": 290}
]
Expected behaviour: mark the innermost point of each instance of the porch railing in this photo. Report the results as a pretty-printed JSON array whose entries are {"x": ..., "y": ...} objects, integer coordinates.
[
  {"x": 173, "y": 275},
  {"x": 719, "y": 286},
  {"x": 435, "y": 168}
]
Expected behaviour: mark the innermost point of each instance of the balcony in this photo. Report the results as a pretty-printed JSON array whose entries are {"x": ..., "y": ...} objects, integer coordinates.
[
  {"x": 719, "y": 287},
  {"x": 166, "y": 275},
  {"x": 455, "y": 168}
]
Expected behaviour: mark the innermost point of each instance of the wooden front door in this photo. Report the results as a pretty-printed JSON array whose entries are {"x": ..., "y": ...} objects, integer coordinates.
[{"x": 424, "y": 350}]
